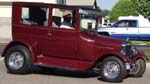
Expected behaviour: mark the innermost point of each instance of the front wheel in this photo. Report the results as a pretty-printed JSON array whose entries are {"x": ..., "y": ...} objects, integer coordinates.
[
  {"x": 18, "y": 60},
  {"x": 113, "y": 69},
  {"x": 139, "y": 68}
]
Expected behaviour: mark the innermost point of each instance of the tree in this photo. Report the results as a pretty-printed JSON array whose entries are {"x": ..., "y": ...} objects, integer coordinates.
[
  {"x": 142, "y": 7},
  {"x": 104, "y": 12},
  {"x": 98, "y": 9},
  {"x": 122, "y": 8}
]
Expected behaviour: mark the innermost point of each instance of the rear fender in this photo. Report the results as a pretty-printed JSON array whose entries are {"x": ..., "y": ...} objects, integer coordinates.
[{"x": 31, "y": 48}]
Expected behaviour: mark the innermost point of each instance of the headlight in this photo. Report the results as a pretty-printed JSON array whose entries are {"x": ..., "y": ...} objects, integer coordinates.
[
  {"x": 128, "y": 49},
  {"x": 134, "y": 50}
]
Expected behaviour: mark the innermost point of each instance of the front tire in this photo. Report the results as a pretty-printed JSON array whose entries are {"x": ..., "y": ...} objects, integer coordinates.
[
  {"x": 18, "y": 60},
  {"x": 139, "y": 68},
  {"x": 112, "y": 70}
]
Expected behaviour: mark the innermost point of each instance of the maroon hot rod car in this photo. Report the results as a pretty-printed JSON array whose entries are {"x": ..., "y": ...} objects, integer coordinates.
[{"x": 57, "y": 36}]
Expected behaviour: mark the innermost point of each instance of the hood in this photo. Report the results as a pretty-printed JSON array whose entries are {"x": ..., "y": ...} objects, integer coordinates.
[
  {"x": 108, "y": 42},
  {"x": 101, "y": 41}
]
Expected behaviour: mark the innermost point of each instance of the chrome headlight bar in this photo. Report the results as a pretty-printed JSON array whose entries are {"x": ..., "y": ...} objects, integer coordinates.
[{"x": 127, "y": 49}]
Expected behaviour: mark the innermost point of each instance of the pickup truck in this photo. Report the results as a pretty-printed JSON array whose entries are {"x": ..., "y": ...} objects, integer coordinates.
[{"x": 137, "y": 29}]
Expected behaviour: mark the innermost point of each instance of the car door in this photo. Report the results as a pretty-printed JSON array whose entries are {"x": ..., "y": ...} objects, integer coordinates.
[
  {"x": 120, "y": 29},
  {"x": 126, "y": 29},
  {"x": 33, "y": 27},
  {"x": 133, "y": 30},
  {"x": 62, "y": 41}
]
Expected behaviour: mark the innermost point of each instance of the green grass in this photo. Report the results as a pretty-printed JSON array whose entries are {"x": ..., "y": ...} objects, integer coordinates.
[
  {"x": 139, "y": 42},
  {"x": 147, "y": 54},
  {"x": 133, "y": 42}
]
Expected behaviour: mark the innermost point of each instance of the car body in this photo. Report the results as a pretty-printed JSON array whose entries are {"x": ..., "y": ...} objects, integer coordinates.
[{"x": 78, "y": 49}]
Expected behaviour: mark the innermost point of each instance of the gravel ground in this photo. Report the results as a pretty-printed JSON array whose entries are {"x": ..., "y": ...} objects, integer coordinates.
[{"x": 63, "y": 77}]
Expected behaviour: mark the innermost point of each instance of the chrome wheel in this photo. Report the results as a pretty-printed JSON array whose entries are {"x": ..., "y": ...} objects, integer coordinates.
[
  {"x": 16, "y": 60},
  {"x": 139, "y": 68},
  {"x": 111, "y": 70}
]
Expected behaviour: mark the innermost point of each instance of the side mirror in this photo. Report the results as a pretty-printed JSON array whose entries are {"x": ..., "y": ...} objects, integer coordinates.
[{"x": 109, "y": 25}]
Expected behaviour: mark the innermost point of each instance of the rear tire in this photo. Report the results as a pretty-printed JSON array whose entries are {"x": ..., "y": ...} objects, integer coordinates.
[
  {"x": 140, "y": 67},
  {"x": 18, "y": 60},
  {"x": 112, "y": 70}
]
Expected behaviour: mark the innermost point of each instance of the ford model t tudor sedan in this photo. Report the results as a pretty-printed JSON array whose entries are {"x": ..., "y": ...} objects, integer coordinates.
[{"x": 56, "y": 36}]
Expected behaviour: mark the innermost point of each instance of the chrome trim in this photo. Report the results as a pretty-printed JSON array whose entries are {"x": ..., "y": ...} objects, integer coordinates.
[
  {"x": 128, "y": 66},
  {"x": 111, "y": 69},
  {"x": 127, "y": 49},
  {"x": 16, "y": 60}
]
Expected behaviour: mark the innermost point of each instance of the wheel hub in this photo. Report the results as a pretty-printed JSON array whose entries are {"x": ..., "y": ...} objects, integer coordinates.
[
  {"x": 137, "y": 66},
  {"x": 111, "y": 70},
  {"x": 16, "y": 60}
]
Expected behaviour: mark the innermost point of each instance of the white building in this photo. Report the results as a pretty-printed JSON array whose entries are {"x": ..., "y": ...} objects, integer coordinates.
[{"x": 5, "y": 5}]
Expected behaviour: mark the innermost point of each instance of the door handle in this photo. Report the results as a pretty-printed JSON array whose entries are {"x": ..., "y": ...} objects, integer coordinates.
[
  {"x": 112, "y": 32},
  {"x": 49, "y": 34}
]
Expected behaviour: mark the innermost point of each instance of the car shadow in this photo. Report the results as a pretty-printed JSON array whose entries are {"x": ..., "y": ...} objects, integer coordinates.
[
  {"x": 68, "y": 73},
  {"x": 65, "y": 73},
  {"x": 2, "y": 46}
]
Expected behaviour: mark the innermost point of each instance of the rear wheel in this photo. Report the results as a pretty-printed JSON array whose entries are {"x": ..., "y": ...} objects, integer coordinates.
[
  {"x": 18, "y": 60},
  {"x": 139, "y": 68},
  {"x": 113, "y": 70}
]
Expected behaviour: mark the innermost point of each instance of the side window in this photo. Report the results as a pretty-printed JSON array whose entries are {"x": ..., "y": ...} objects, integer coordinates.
[
  {"x": 61, "y": 2},
  {"x": 122, "y": 24},
  {"x": 62, "y": 18},
  {"x": 87, "y": 22},
  {"x": 132, "y": 23},
  {"x": 89, "y": 25},
  {"x": 34, "y": 15}
]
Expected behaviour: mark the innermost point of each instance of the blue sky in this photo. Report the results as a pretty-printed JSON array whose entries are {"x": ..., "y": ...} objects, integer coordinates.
[{"x": 106, "y": 4}]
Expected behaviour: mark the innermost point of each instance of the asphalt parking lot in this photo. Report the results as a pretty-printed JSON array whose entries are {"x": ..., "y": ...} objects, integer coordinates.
[{"x": 62, "y": 77}]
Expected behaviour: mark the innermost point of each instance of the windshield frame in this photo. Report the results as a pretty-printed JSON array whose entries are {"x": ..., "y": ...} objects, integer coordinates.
[{"x": 91, "y": 15}]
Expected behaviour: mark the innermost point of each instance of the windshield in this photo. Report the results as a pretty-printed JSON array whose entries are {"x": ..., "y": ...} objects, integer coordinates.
[{"x": 88, "y": 20}]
